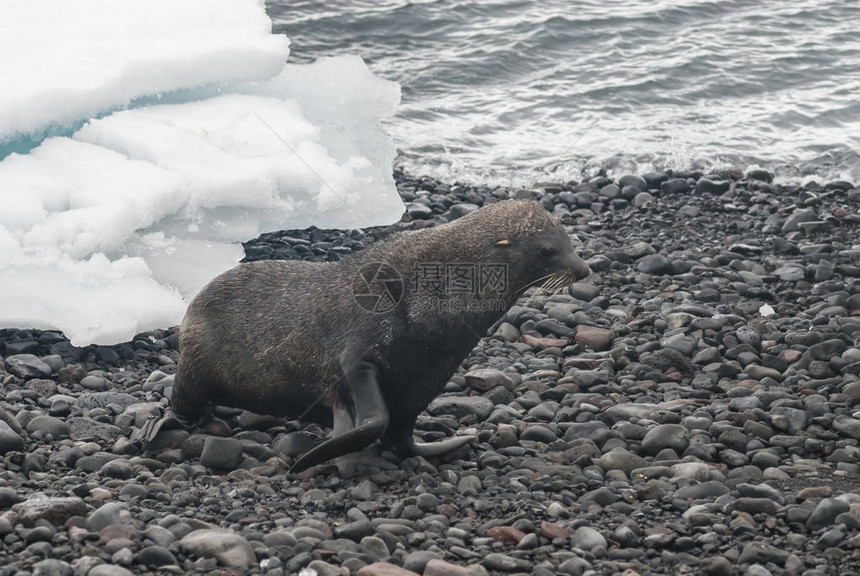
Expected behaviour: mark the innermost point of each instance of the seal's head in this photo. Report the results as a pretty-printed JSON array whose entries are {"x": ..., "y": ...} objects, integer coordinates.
[{"x": 530, "y": 241}]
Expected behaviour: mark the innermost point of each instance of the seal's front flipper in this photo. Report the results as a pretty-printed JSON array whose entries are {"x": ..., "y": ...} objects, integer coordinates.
[
  {"x": 368, "y": 412},
  {"x": 169, "y": 421}
]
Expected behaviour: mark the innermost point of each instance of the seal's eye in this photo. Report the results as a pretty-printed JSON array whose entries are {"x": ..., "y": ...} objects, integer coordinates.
[{"x": 548, "y": 251}]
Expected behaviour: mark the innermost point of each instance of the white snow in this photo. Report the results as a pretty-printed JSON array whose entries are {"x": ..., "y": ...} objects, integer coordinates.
[{"x": 111, "y": 231}]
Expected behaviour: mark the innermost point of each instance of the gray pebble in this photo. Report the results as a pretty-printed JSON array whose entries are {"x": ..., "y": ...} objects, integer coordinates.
[
  {"x": 354, "y": 530},
  {"x": 161, "y": 536},
  {"x": 848, "y": 426},
  {"x": 90, "y": 400},
  {"x": 10, "y": 440},
  {"x": 587, "y": 538},
  {"x": 375, "y": 547},
  {"x": 52, "y": 567},
  {"x": 710, "y": 490},
  {"x": 674, "y": 436},
  {"x": 539, "y": 434},
  {"x": 761, "y": 552},
  {"x": 505, "y": 563},
  {"x": 460, "y": 406},
  {"x": 221, "y": 453},
  {"x": 417, "y": 561},
  {"x": 48, "y": 426},
  {"x": 55, "y": 510},
  {"x": 155, "y": 556},
  {"x": 622, "y": 460},
  {"x": 229, "y": 548},
  {"x": 109, "y": 570},
  {"x": 574, "y": 566},
  {"x": 825, "y": 513},
  {"x": 106, "y": 515},
  {"x": 488, "y": 378},
  {"x": 89, "y": 429},
  {"x": 655, "y": 264},
  {"x": 27, "y": 366},
  {"x": 96, "y": 383}
]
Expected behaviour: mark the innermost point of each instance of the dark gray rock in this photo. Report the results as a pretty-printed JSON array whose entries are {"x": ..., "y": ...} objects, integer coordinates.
[
  {"x": 48, "y": 426},
  {"x": 417, "y": 561},
  {"x": 633, "y": 180},
  {"x": 90, "y": 400},
  {"x": 10, "y": 440},
  {"x": 761, "y": 552},
  {"x": 655, "y": 264},
  {"x": 294, "y": 443},
  {"x": 505, "y": 563},
  {"x": 27, "y": 366},
  {"x": 155, "y": 556},
  {"x": 487, "y": 378},
  {"x": 229, "y": 548},
  {"x": 587, "y": 538},
  {"x": 673, "y": 436},
  {"x": 825, "y": 513},
  {"x": 89, "y": 429},
  {"x": 106, "y": 515},
  {"x": 710, "y": 490},
  {"x": 674, "y": 186},
  {"x": 798, "y": 216},
  {"x": 55, "y": 510},
  {"x": 221, "y": 453},
  {"x": 459, "y": 406},
  {"x": 706, "y": 186},
  {"x": 52, "y": 567}
]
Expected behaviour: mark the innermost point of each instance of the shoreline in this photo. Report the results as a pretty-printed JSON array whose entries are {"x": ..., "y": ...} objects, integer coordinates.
[{"x": 693, "y": 406}]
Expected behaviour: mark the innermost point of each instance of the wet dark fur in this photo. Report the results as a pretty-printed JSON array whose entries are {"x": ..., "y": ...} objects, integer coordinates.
[{"x": 272, "y": 336}]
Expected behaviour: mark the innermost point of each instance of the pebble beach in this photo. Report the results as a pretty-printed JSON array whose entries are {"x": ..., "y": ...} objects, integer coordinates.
[{"x": 693, "y": 407}]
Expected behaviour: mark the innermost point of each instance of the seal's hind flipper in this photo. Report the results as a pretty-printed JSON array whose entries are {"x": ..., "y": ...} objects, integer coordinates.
[
  {"x": 155, "y": 424},
  {"x": 441, "y": 447},
  {"x": 369, "y": 414},
  {"x": 403, "y": 443},
  {"x": 349, "y": 442}
]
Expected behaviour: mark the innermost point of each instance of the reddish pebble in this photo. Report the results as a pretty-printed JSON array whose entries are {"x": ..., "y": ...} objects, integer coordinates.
[
  {"x": 544, "y": 342},
  {"x": 552, "y": 530},
  {"x": 384, "y": 569},
  {"x": 507, "y": 534},
  {"x": 438, "y": 567}
]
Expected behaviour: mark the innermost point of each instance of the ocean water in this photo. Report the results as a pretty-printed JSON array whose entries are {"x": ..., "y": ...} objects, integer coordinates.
[{"x": 518, "y": 91}]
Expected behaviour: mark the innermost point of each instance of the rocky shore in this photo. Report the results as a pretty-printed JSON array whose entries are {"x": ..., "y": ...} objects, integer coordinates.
[{"x": 691, "y": 408}]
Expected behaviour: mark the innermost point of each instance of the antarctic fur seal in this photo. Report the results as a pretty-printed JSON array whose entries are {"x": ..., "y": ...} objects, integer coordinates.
[{"x": 369, "y": 341}]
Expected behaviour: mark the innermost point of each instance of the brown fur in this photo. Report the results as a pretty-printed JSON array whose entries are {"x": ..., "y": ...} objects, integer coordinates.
[{"x": 272, "y": 336}]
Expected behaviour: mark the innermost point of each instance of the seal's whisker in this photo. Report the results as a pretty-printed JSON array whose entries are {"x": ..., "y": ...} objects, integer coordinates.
[
  {"x": 556, "y": 281},
  {"x": 541, "y": 279},
  {"x": 522, "y": 290},
  {"x": 551, "y": 283},
  {"x": 547, "y": 286}
]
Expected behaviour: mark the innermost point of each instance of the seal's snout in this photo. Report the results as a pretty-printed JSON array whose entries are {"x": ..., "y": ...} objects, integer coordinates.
[{"x": 577, "y": 267}]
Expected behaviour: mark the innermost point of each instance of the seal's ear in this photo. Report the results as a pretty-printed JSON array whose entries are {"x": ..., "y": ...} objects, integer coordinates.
[{"x": 503, "y": 243}]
